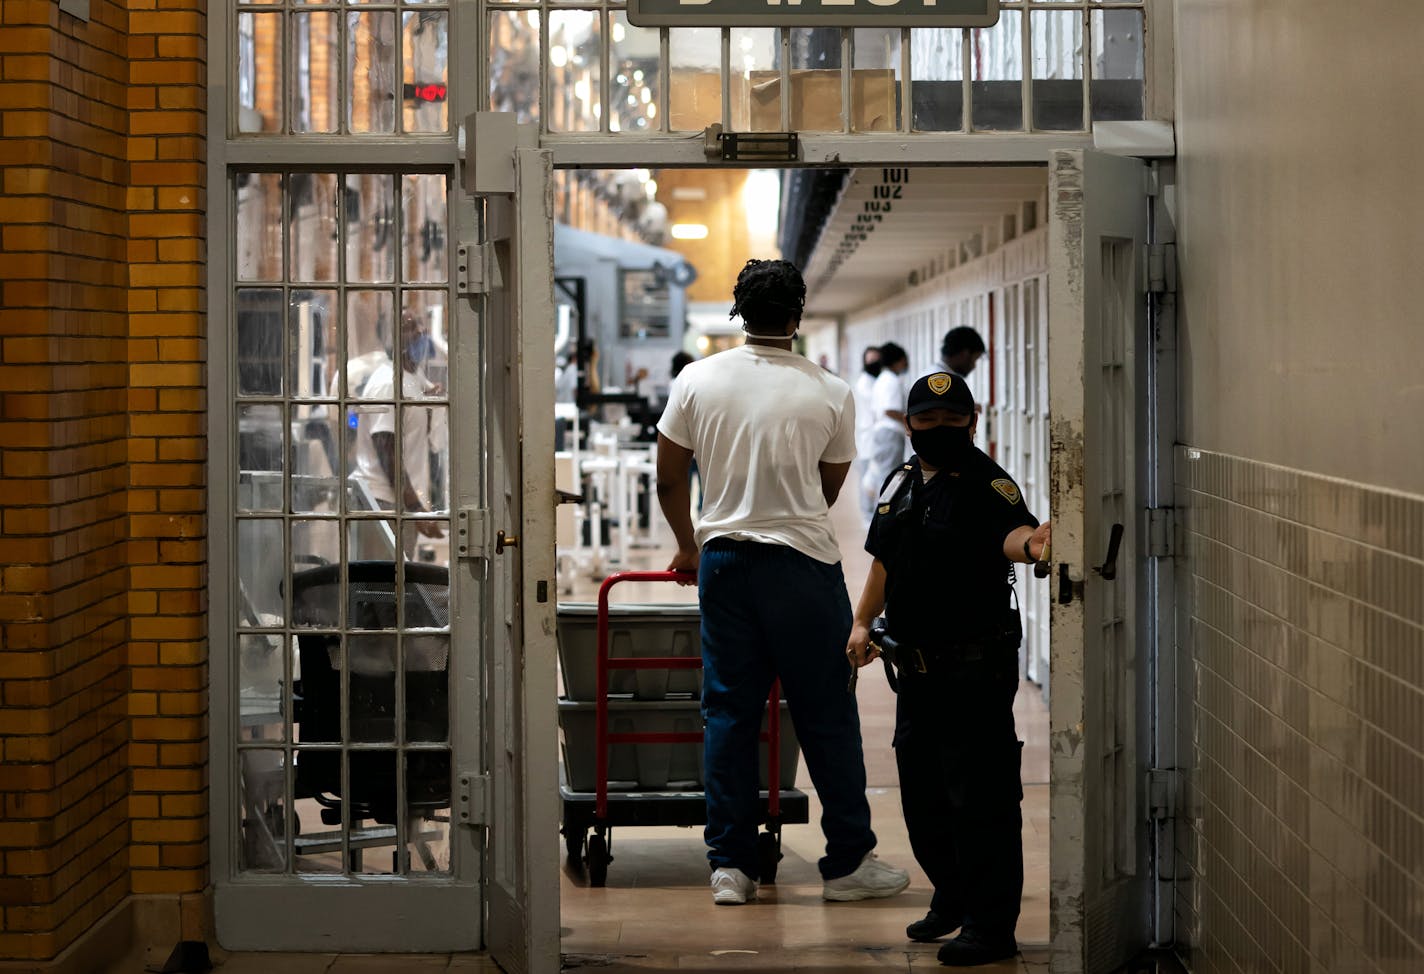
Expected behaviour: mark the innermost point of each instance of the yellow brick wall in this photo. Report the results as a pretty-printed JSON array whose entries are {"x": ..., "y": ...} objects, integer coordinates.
[{"x": 103, "y": 658}]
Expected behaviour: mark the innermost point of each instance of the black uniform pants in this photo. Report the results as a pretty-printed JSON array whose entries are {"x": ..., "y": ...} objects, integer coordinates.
[{"x": 959, "y": 761}]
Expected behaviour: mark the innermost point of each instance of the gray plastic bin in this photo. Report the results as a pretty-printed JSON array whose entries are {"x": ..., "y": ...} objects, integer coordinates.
[
  {"x": 651, "y": 767},
  {"x": 637, "y": 630}
]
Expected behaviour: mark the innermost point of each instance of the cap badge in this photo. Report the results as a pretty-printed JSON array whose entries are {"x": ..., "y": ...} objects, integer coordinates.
[
  {"x": 940, "y": 382},
  {"x": 1008, "y": 489}
]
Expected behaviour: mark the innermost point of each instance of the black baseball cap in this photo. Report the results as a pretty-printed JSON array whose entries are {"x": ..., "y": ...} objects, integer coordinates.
[{"x": 940, "y": 390}]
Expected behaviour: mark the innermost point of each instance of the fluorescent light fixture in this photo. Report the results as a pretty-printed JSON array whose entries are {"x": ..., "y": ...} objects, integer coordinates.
[
  {"x": 689, "y": 193},
  {"x": 689, "y": 231}
]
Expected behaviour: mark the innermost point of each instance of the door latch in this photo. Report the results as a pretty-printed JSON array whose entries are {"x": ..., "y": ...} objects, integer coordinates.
[{"x": 1107, "y": 571}]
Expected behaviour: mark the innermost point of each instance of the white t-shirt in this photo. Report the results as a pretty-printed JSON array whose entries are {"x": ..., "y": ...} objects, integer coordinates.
[
  {"x": 888, "y": 393},
  {"x": 864, "y": 413},
  {"x": 760, "y": 420},
  {"x": 415, "y": 434}
]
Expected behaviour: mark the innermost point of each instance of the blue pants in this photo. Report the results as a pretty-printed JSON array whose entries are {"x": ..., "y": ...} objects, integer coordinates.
[{"x": 769, "y": 611}]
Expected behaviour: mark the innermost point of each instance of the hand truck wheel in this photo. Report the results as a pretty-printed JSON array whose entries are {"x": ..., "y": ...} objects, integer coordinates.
[
  {"x": 768, "y": 856},
  {"x": 574, "y": 842},
  {"x": 598, "y": 860}
]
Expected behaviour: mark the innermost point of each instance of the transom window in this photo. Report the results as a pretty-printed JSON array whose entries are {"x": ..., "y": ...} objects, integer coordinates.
[
  {"x": 1047, "y": 66},
  {"x": 342, "y": 67}
]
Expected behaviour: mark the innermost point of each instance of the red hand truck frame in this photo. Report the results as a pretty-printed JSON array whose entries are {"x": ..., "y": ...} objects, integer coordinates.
[{"x": 597, "y": 854}]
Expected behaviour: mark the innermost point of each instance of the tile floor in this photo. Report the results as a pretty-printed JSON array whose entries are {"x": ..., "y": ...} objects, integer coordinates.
[{"x": 656, "y": 913}]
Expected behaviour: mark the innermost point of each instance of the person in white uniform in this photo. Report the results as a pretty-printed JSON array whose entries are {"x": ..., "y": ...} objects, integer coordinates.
[
  {"x": 864, "y": 420},
  {"x": 376, "y": 448},
  {"x": 774, "y": 437},
  {"x": 887, "y": 431}
]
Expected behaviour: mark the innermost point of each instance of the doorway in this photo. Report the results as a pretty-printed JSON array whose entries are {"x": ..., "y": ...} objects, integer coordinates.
[{"x": 906, "y": 280}]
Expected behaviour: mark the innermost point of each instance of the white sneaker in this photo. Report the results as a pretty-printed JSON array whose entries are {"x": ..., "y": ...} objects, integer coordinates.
[
  {"x": 732, "y": 887},
  {"x": 871, "y": 880}
]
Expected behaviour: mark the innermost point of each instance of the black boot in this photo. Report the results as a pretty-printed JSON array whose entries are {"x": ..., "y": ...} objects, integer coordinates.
[
  {"x": 971, "y": 948},
  {"x": 932, "y": 927}
]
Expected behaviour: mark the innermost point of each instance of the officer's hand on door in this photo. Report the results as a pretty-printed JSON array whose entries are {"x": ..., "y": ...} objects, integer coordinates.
[
  {"x": 1038, "y": 541},
  {"x": 859, "y": 649}
]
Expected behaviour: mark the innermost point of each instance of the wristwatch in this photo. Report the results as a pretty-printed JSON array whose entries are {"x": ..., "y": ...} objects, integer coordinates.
[{"x": 1028, "y": 554}]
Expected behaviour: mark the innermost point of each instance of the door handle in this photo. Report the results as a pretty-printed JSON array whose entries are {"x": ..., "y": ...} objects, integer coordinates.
[
  {"x": 1107, "y": 571},
  {"x": 567, "y": 497},
  {"x": 502, "y": 541}
]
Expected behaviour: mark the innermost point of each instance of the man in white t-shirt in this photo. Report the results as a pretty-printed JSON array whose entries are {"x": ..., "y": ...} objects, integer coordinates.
[
  {"x": 864, "y": 420},
  {"x": 376, "y": 447},
  {"x": 887, "y": 430},
  {"x": 774, "y": 436}
]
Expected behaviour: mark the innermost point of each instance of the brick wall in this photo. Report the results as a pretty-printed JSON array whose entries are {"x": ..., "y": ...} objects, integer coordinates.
[{"x": 102, "y": 655}]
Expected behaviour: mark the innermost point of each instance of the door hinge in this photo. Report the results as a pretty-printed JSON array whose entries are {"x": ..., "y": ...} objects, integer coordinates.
[
  {"x": 476, "y": 270},
  {"x": 471, "y": 533},
  {"x": 1161, "y": 532},
  {"x": 1162, "y": 268},
  {"x": 472, "y": 799},
  {"x": 1163, "y": 793}
]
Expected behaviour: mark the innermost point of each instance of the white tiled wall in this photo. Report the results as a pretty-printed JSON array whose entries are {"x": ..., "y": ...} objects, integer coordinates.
[{"x": 1302, "y": 670}]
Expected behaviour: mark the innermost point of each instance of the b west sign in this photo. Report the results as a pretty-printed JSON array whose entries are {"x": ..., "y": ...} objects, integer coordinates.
[{"x": 813, "y": 13}]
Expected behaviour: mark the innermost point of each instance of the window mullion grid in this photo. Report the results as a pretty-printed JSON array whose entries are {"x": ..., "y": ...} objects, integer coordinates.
[
  {"x": 1026, "y": 71},
  {"x": 342, "y": 531},
  {"x": 605, "y": 54},
  {"x": 966, "y": 73},
  {"x": 1085, "y": 65},
  {"x": 664, "y": 81},
  {"x": 784, "y": 44},
  {"x": 726, "y": 79},
  {"x": 847, "y": 80},
  {"x": 906, "y": 82},
  {"x": 542, "y": 12},
  {"x": 398, "y": 295}
]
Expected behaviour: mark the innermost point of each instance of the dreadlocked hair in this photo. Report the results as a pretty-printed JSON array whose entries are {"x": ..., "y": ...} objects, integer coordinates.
[{"x": 768, "y": 294}]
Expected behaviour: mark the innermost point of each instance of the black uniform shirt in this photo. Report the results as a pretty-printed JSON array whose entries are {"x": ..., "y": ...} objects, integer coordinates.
[{"x": 942, "y": 545}]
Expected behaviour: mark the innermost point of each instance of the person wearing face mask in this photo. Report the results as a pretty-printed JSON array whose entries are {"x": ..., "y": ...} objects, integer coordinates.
[
  {"x": 947, "y": 526},
  {"x": 375, "y": 447},
  {"x": 864, "y": 420},
  {"x": 774, "y": 436}
]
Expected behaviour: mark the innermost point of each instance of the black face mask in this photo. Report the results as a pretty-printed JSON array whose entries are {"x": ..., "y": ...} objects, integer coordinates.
[
  {"x": 872, "y": 369},
  {"x": 942, "y": 447}
]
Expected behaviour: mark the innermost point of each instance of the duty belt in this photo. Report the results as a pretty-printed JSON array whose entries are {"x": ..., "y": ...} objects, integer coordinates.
[{"x": 915, "y": 659}]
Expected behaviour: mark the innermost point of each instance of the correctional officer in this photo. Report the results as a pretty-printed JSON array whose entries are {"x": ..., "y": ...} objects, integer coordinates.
[{"x": 947, "y": 525}]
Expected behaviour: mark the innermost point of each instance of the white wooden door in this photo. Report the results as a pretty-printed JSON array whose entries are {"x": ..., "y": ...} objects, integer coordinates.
[
  {"x": 521, "y": 864},
  {"x": 1097, "y": 311}
]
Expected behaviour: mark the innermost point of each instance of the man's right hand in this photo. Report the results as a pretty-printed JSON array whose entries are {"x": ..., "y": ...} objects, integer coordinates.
[
  {"x": 859, "y": 649},
  {"x": 685, "y": 561}
]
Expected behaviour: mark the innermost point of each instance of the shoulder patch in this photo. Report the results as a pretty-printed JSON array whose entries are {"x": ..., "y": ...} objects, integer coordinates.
[{"x": 1008, "y": 489}]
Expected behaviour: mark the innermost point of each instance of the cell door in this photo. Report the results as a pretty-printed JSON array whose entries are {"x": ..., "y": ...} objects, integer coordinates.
[
  {"x": 1097, "y": 308},
  {"x": 521, "y": 855}
]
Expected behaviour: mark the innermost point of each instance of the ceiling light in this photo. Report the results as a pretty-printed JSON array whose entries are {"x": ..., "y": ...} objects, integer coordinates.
[{"x": 689, "y": 231}]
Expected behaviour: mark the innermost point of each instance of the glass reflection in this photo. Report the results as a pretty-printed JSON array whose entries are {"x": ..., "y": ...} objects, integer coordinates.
[
  {"x": 694, "y": 78},
  {"x": 514, "y": 63},
  {"x": 997, "y": 90},
  {"x": 937, "y": 79},
  {"x": 426, "y": 52},
  {"x": 634, "y": 89},
  {"x": 575, "y": 74},
  {"x": 371, "y": 71}
]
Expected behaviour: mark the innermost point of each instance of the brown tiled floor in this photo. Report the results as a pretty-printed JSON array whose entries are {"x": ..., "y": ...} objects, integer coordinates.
[{"x": 656, "y": 913}]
